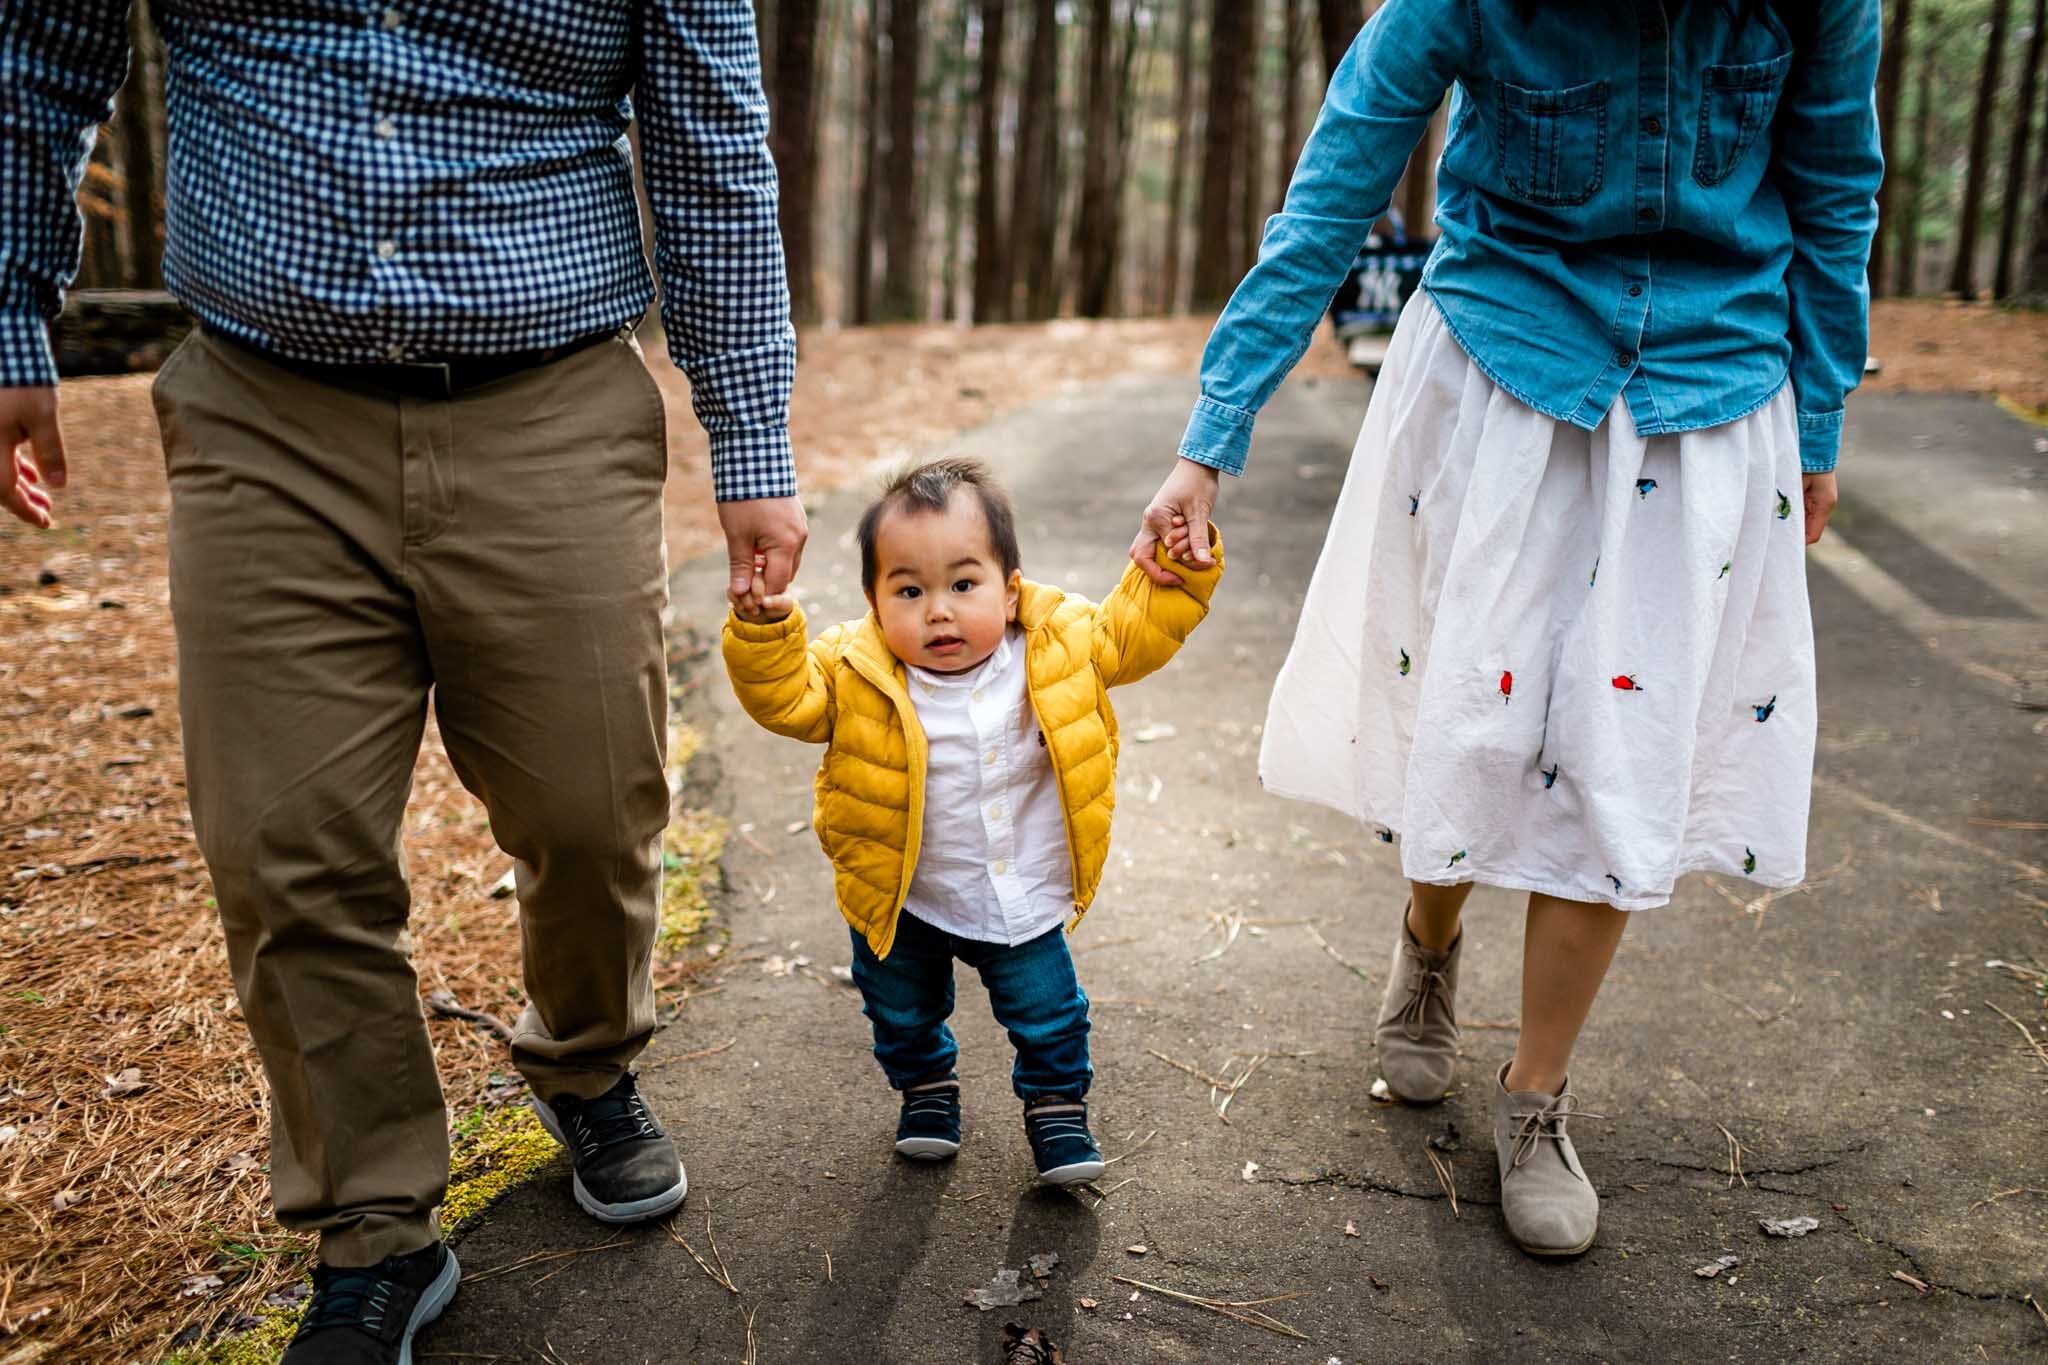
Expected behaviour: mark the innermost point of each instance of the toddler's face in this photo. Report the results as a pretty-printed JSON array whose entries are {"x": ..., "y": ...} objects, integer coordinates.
[{"x": 939, "y": 588}]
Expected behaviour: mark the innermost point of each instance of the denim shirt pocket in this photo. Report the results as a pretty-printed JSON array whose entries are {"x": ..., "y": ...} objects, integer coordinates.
[
  {"x": 1553, "y": 143},
  {"x": 1737, "y": 104}
]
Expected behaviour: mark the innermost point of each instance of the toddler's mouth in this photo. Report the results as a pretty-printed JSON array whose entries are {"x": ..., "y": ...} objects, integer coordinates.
[{"x": 945, "y": 644}]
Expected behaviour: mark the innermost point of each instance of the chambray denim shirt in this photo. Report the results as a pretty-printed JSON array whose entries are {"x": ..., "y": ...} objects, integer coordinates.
[{"x": 1646, "y": 198}]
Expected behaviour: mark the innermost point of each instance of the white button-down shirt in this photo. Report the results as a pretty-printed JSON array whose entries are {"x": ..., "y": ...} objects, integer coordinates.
[{"x": 993, "y": 864}]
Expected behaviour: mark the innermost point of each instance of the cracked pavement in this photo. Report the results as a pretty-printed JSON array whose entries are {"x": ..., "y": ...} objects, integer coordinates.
[{"x": 1844, "y": 1036}]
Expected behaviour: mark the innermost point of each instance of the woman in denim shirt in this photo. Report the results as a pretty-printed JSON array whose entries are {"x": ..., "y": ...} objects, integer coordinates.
[{"x": 1558, "y": 640}]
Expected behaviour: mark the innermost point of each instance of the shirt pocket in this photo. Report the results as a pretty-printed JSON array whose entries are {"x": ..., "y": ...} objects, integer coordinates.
[
  {"x": 1737, "y": 104},
  {"x": 1553, "y": 143}
]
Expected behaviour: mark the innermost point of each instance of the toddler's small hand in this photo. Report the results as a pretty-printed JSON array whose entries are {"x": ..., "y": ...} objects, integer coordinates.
[{"x": 758, "y": 610}]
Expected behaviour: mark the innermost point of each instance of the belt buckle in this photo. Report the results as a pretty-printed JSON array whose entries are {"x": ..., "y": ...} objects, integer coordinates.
[{"x": 436, "y": 375}]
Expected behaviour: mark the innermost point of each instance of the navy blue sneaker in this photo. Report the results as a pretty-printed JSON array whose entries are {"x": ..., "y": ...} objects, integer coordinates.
[
  {"x": 930, "y": 1127},
  {"x": 368, "y": 1316},
  {"x": 1061, "y": 1144}
]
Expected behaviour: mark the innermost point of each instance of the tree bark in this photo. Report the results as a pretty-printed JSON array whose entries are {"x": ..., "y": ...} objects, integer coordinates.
[
  {"x": 793, "y": 138},
  {"x": 1215, "y": 272},
  {"x": 1890, "y": 82},
  {"x": 1339, "y": 22},
  {"x": 2016, "y": 163},
  {"x": 1295, "y": 48},
  {"x": 140, "y": 103},
  {"x": 957, "y": 114},
  {"x": 1034, "y": 189},
  {"x": 991, "y": 267},
  {"x": 1962, "y": 279},
  {"x": 2035, "y": 276},
  {"x": 861, "y": 265},
  {"x": 1908, "y": 282},
  {"x": 1416, "y": 193},
  {"x": 900, "y": 292},
  {"x": 1251, "y": 133},
  {"x": 1183, "y": 136},
  {"x": 1094, "y": 240}
]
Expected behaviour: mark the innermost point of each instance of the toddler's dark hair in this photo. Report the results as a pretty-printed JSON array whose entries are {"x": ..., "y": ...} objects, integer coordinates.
[{"x": 929, "y": 487}]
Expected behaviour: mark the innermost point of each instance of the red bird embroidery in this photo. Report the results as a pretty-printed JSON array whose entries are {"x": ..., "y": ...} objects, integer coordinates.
[
  {"x": 1507, "y": 687},
  {"x": 1626, "y": 683}
]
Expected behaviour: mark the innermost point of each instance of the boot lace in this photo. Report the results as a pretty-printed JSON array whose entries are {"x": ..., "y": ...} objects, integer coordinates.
[
  {"x": 612, "y": 1118},
  {"x": 1535, "y": 1126},
  {"x": 1424, "y": 984},
  {"x": 359, "y": 1298}
]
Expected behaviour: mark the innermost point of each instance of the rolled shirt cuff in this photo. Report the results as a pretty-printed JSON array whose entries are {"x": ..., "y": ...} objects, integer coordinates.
[
  {"x": 1218, "y": 435},
  {"x": 1820, "y": 441},
  {"x": 753, "y": 463},
  {"x": 25, "y": 358}
]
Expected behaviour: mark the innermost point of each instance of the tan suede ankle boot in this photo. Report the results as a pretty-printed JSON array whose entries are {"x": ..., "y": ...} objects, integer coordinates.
[
  {"x": 1418, "y": 1026},
  {"x": 1550, "y": 1207}
]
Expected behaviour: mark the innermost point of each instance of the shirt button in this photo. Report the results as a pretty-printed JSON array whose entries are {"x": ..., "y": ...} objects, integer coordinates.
[
  {"x": 386, "y": 128},
  {"x": 1635, "y": 291},
  {"x": 1001, "y": 867},
  {"x": 996, "y": 811},
  {"x": 989, "y": 757},
  {"x": 1624, "y": 358},
  {"x": 392, "y": 18},
  {"x": 1652, "y": 126},
  {"x": 387, "y": 249},
  {"x": 976, "y": 694}
]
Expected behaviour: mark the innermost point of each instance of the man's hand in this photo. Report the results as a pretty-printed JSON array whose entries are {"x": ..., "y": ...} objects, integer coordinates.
[
  {"x": 1185, "y": 500},
  {"x": 1819, "y": 491},
  {"x": 35, "y": 452},
  {"x": 764, "y": 544}
]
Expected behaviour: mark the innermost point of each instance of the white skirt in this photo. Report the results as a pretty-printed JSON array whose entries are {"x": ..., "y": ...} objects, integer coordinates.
[{"x": 1572, "y": 662}]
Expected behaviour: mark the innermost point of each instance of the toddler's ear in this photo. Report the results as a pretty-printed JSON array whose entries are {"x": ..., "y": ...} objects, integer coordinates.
[{"x": 1013, "y": 594}]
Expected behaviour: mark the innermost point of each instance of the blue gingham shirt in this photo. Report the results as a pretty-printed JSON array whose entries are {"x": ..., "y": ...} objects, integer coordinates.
[{"x": 374, "y": 180}]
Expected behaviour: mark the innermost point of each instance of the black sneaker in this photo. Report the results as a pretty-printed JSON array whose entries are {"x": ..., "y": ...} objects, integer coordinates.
[
  {"x": 367, "y": 1315},
  {"x": 1061, "y": 1144},
  {"x": 627, "y": 1170},
  {"x": 930, "y": 1127}
]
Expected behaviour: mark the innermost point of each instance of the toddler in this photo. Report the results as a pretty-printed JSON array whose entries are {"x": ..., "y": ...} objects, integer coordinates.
[{"x": 965, "y": 794}]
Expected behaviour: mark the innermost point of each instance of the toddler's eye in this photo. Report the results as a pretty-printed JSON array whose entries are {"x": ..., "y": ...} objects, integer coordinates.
[
  {"x": 909, "y": 594},
  {"x": 964, "y": 585}
]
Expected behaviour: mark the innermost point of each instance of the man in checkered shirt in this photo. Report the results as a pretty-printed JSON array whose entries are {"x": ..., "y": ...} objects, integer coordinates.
[{"x": 414, "y": 454}]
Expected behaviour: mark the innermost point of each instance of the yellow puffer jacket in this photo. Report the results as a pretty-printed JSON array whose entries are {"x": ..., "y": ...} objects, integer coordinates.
[{"x": 848, "y": 692}]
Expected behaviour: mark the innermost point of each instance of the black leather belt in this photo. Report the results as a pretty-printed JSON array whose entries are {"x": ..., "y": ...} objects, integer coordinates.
[{"x": 442, "y": 378}]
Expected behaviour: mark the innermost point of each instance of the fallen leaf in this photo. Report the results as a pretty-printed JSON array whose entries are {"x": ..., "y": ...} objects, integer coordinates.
[
  {"x": 1152, "y": 734},
  {"x": 1251, "y": 1170},
  {"x": 128, "y": 1082},
  {"x": 1788, "y": 1227},
  {"x": 1030, "y": 1346},
  {"x": 1090, "y": 1304},
  {"x": 1132, "y": 1299},
  {"x": 238, "y": 1163},
  {"x": 1903, "y": 1278},
  {"x": 796, "y": 827},
  {"x": 1377, "y": 1282},
  {"x": 289, "y": 1296},
  {"x": 66, "y": 1199},
  {"x": 1350, "y": 1229},
  {"x": 1381, "y": 1091},
  {"x": 8, "y": 1133},
  {"x": 1138, "y": 1250},
  {"x": 1448, "y": 1140},
  {"x": 1042, "y": 1264},
  {"x": 196, "y": 1286},
  {"x": 507, "y": 883},
  {"x": 1006, "y": 1290},
  {"x": 1713, "y": 1269}
]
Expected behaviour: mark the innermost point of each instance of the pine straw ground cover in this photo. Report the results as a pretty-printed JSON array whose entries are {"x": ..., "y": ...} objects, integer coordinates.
[{"x": 134, "y": 1209}]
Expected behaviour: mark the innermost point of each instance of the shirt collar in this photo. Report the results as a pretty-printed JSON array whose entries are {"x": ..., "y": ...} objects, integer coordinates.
[{"x": 993, "y": 665}]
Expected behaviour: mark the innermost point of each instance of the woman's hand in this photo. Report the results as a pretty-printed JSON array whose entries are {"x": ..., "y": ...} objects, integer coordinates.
[
  {"x": 1186, "y": 499},
  {"x": 1819, "y": 490}
]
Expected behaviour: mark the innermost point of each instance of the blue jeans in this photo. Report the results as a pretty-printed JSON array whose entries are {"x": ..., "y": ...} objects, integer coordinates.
[{"x": 1031, "y": 987}]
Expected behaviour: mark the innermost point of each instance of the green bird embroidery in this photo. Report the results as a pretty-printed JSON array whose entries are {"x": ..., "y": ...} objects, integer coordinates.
[
  {"x": 1456, "y": 858},
  {"x": 1748, "y": 859},
  {"x": 1784, "y": 506},
  {"x": 1404, "y": 663},
  {"x": 1725, "y": 567}
]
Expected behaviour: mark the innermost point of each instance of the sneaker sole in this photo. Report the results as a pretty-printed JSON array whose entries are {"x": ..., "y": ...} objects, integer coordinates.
[
  {"x": 926, "y": 1148},
  {"x": 1075, "y": 1173},
  {"x": 634, "y": 1211},
  {"x": 432, "y": 1301}
]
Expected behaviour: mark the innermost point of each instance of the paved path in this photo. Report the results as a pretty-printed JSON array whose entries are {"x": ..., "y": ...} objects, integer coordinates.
[{"x": 1878, "y": 1092}]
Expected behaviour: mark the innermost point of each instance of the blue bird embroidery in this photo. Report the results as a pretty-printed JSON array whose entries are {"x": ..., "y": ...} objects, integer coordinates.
[
  {"x": 1763, "y": 713},
  {"x": 1595, "y": 578},
  {"x": 1386, "y": 836},
  {"x": 1414, "y": 501},
  {"x": 1456, "y": 858},
  {"x": 1550, "y": 777},
  {"x": 1617, "y": 882},
  {"x": 1644, "y": 488}
]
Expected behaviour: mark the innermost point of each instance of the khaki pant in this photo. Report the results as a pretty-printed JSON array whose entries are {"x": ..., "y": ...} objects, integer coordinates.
[{"x": 338, "y": 556}]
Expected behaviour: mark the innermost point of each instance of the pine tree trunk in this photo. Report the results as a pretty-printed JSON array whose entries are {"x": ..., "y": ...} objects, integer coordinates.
[
  {"x": 1183, "y": 136},
  {"x": 1417, "y": 191},
  {"x": 1229, "y": 66},
  {"x": 1034, "y": 190},
  {"x": 1890, "y": 80},
  {"x": 1962, "y": 279},
  {"x": 899, "y": 300},
  {"x": 1339, "y": 22},
  {"x": 1094, "y": 247},
  {"x": 861, "y": 266},
  {"x": 1295, "y": 49},
  {"x": 141, "y": 173},
  {"x": 793, "y": 137},
  {"x": 1251, "y": 131},
  {"x": 991, "y": 265},
  {"x": 2016, "y": 163},
  {"x": 2034, "y": 286},
  {"x": 956, "y": 67},
  {"x": 1908, "y": 282}
]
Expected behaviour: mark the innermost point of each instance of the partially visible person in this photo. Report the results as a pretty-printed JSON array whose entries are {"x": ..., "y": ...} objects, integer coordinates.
[
  {"x": 1559, "y": 639},
  {"x": 967, "y": 785},
  {"x": 414, "y": 453}
]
